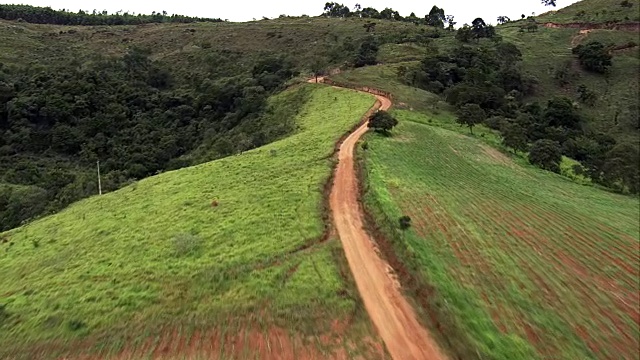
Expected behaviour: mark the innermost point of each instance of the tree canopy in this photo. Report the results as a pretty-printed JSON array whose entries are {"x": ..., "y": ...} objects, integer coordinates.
[
  {"x": 485, "y": 83},
  {"x": 382, "y": 121},
  {"x": 593, "y": 56},
  {"x": 132, "y": 114},
  {"x": 46, "y": 15}
]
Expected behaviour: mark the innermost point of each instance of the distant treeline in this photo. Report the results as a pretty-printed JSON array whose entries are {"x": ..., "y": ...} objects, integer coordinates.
[
  {"x": 46, "y": 15},
  {"x": 436, "y": 16}
]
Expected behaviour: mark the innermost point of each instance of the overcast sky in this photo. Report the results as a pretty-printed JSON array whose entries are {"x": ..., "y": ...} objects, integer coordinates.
[{"x": 242, "y": 10}]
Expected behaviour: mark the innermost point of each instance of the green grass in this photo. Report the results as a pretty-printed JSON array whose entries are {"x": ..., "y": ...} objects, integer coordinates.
[
  {"x": 118, "y": 268},
  {"x": 525, "y": 263},
  {"x": 594, "y": 11},
  {"x": 207, "y": 48},
  {"x": 549, "y": 50},
  {"x": 385, "y": 77}
]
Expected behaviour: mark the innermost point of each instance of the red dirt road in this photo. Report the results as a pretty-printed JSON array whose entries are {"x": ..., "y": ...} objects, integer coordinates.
[{"x": 392, "y": 315}]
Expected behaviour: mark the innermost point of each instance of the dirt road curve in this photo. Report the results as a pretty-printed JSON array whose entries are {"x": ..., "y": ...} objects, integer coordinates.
[{"x": 393, "y": 317}]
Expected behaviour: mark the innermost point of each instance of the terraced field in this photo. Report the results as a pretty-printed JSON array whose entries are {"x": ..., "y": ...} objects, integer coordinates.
[
  {"x": 229, "y": 259},
  {"x": 524, "y": 264}
]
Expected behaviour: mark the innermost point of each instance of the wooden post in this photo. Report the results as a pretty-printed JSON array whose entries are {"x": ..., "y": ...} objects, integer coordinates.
[{"x": 99, "y": 182}]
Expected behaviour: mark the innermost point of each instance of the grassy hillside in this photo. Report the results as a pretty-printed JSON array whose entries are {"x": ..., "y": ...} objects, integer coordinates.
[
  {"x": 521, "y": 263},
  {"x": 147, "y": 98},
  {"x": 548, "y": 51},
  {"x": 205, "y": 46},
  {"x": 595, "y": 12},
  {"x": 606, "y": 140},
  {"x": 130, "y": 270}
]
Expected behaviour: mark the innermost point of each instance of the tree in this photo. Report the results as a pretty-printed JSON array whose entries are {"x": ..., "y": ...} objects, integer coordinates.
[
  {"x": 370, "y": 13},
  {"x": 404, "y": 222},
  {"x": 593, "y": 56},
  {"x": 390, "y": 14},
  {"x": 530, "y": 26},
  {"x": 478, "y": 28},
  {"x": 412, "y": 18},
  {"x": 367, "y": 53},
  {"x": 560, "y": 112},
  {"x": 382, "y": 122},
  {"x": 546, "y": 154},
  {"x": 317, "y": 67},
  {"x": 490, "y": 32},
  {"x": 514, "y": 136},
  {"x": 471, "y": 115},
  {"x": 587, "y": 96},
  {"x": 370, "y": 26},
  {"x": 503, "y": 19},
  {"x": 621, "y": 169},
  {"x": 333, "y": 9},
  {"x": 451, "y": 21},
  {"x": 464, "y": 34},
  {"x": 46, "y": 15},
  {"x": 436, "y": 17}
]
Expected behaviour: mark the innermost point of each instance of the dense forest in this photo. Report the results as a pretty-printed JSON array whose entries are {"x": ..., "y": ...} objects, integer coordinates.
[
  {"x": 482, "y": 78},
  {"x": 130, "y": 114},
  {"x": 46, "y": 15}
]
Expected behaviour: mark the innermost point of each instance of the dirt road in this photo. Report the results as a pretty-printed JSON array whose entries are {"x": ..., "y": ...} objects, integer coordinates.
[{"x": 392, "y": 315}]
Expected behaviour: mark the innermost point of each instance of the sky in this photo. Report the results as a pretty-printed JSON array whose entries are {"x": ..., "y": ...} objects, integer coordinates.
[{"x": 242, "y": 10}]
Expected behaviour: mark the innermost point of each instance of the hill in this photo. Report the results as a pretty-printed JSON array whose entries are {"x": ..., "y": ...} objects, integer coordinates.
[
  {"x": 596, "y": 12},
  {"x": 502, "y": 260},
  {"x": 532, "y": 83},
  {"x": 156, "y": 263},
  {"x": 506, "y": 261},
  {"x": 147, "y": 98}
]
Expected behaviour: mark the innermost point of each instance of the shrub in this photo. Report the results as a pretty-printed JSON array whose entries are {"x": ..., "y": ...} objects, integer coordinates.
[
  {"x": 404, "y": 222},
  {"x": 593, "y": 56},
  {"x": 382, "y": 121},
  {"x": 626, "y": 4},
  {"x": 546, "y": 154}
]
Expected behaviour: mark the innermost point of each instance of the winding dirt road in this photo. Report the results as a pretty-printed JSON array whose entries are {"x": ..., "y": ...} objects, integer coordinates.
[{"x": 392, "y": 315}]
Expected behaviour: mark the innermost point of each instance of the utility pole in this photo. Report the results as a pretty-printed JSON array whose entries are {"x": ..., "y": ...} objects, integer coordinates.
[{"x": 99, "y": 183}]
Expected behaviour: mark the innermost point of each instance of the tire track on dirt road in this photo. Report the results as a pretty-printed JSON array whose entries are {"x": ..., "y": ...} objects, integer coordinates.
[{"x": 390, "y": 312}]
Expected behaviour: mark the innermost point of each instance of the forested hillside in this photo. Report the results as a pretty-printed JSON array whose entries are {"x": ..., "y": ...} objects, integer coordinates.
[
  {"x": 564, "y": 96},
  {"x": 143, "y": 99},
  {"x": 131, "y": 114}
]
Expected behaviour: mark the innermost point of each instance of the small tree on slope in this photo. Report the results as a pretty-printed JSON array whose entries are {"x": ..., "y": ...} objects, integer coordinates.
[
  {"x": 382, "y": 122},
  {"x": 546, "y": 154},
  {"x": 471, "y": 115}
]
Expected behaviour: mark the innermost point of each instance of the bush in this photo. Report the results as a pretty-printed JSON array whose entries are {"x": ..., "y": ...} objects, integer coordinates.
[
  {"x": 626, "y": 4},
  {"x": 546, "y": 154},
  {"x": 368, "y": 52},
  {"x": 404, "y": 222},
  {"x": 186, "y": 244},
  {"x": 495, "y": 122},
  {"x": 593, "y": 56},
  {"x": 382, "y": 122}
]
